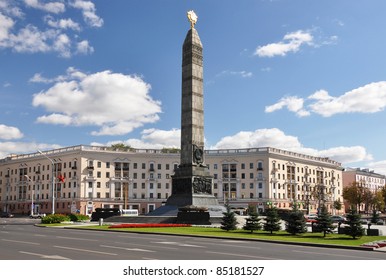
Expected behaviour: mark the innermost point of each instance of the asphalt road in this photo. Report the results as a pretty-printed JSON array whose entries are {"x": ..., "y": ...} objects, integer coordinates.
[{"x": 21, "y": 240}]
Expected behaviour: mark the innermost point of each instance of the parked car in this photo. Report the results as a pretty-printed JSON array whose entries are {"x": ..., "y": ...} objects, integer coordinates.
[
  {"x": 6, "y": 215},
  {"x": 337, "y": 219},
  {"x": 311, "y": 218},
  {"x": 37, "y": 216}
]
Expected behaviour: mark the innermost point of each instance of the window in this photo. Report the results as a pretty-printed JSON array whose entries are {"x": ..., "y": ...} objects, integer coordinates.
[
  {"x": 143, "y": 165},
  {"x": 135, "y": 165},
  {"x": 243, "y": 166},
  {"x": 107, "y": 164},
  {"x": 251, "y": 165}
]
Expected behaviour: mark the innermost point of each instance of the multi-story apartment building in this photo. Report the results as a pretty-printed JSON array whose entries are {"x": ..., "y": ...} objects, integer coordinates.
[
  {"x": 364, "y": 178},
  {"x": 82, "y": 178}
]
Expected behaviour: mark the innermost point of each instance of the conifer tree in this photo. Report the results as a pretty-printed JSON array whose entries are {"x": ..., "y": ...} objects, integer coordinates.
[
  {"x": 272, "y": 220},
  {"x": 324, "y": 221},
  {"x": 229, "y": 221},
  {"x": 253, "y": 222},
  {"x": 374, "y": 217},
  {"x": 296, "y": 223},
  {"x": 354, "y": 228}
]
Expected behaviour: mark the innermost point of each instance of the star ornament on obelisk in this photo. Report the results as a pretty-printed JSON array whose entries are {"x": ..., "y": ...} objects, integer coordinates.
[{"x": 192, "y": 18}]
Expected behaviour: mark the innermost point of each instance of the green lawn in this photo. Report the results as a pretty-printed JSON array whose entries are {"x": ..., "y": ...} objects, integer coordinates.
[{"x": 336, "y": 239}]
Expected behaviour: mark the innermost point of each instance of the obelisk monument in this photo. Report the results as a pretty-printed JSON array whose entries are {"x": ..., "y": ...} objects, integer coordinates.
[{"x": 192, "y": 183}]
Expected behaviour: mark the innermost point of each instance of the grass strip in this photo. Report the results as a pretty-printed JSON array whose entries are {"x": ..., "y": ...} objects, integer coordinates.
[{"x": 332, "y": 239}]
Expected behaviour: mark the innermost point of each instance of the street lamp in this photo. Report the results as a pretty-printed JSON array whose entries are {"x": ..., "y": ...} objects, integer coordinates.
[
  {"x": 32, "y": 195},
  {"x": 52, "y": 180}
]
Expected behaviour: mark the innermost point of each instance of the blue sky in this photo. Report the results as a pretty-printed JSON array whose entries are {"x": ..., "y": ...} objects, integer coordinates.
[{"x": 306, "y": 76}]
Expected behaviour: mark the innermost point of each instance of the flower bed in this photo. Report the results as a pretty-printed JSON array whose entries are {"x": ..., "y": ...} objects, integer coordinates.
[{"x": 148, "y": 225}]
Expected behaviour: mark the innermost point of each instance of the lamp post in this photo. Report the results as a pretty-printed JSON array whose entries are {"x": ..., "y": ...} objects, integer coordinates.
[
  {"x": 52, "y": 180},
  {"x": 32, "y": 195}
]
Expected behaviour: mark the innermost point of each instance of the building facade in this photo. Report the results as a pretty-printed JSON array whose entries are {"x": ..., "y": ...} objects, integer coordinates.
[
  {"x": 88, "y": 177},
  {"x": 364, "y": 178}
]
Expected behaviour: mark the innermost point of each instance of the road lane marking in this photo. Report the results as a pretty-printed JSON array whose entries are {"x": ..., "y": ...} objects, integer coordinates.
[
  {"x": 75, "y": 238},
  {"x": 239, "y": 255},
  {"x": 18, "y": 241},
  {"x": 179, "y": 244},
  {"x": 53, "y": 257},
  {"x": 331, "y": 254},
  {"x": 153, "y": 246},
  {"x": 84, "y": 250},
  {"x": 128, "y": 249}
]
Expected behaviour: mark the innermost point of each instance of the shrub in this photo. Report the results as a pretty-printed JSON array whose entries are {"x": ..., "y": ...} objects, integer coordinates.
[
  {"x": 55, "y": 218},
  {"x": 78, "y": 217}
]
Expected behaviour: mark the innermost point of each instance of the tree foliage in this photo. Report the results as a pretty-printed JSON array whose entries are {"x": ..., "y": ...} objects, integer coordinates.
[
  {"x": 354, "y": 228},
  {"x": 229, "y": 221},
  {"x": 252, "y": 223},
  {"x": 324, "y": 221},
  {"x": 272, "y": 220},
  {"x": 121, "y": 147},
  {"x": 296, "y": 223}
]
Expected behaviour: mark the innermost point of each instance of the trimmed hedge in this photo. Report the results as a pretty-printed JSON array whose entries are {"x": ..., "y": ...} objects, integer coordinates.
[
  {"x": 78, "y": 217},
  {"x": 55, "y": 219}
]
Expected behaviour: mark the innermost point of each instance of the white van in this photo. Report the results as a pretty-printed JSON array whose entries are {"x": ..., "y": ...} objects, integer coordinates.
[{"x": 129, "y": 212}]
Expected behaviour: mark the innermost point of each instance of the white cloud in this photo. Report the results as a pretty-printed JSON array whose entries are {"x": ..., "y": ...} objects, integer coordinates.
[
  {"x": 242, "y": 74},
  {"x": 89, "y": 12},
  {"x": 6, "y": 24},
  {"x": 292, "y": 103},
  {"x": 62, "y": 23},
  {"x": 291, "y": 42},
  {"x": 152, "y": 139},
  {"x": 84, "y": 47},
  {"x": 55, "y": 119},
  {"x": 62, "y": 45},
  {"x": 276, "y": 138},
  {"x": 9, "y": 132},
  {"x": 7, "y": 148},
  {"x": 51, "y": 7},
  {"x": 370, "y": 98},
  {"x": 115, "y": 102},
  {"x": 378, "y": 166},
  {"x": 60, "y": 33}
]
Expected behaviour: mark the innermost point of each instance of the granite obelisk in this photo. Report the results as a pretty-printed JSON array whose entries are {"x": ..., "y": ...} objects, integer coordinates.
[{"x": 192, "y": 183}]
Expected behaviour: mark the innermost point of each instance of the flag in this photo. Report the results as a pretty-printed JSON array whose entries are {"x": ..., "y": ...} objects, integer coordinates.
[{"x": 61, "y": 178}]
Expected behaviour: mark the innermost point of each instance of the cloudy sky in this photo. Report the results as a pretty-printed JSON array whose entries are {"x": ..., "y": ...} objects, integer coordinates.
[{"x": 306, "y": 76}]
